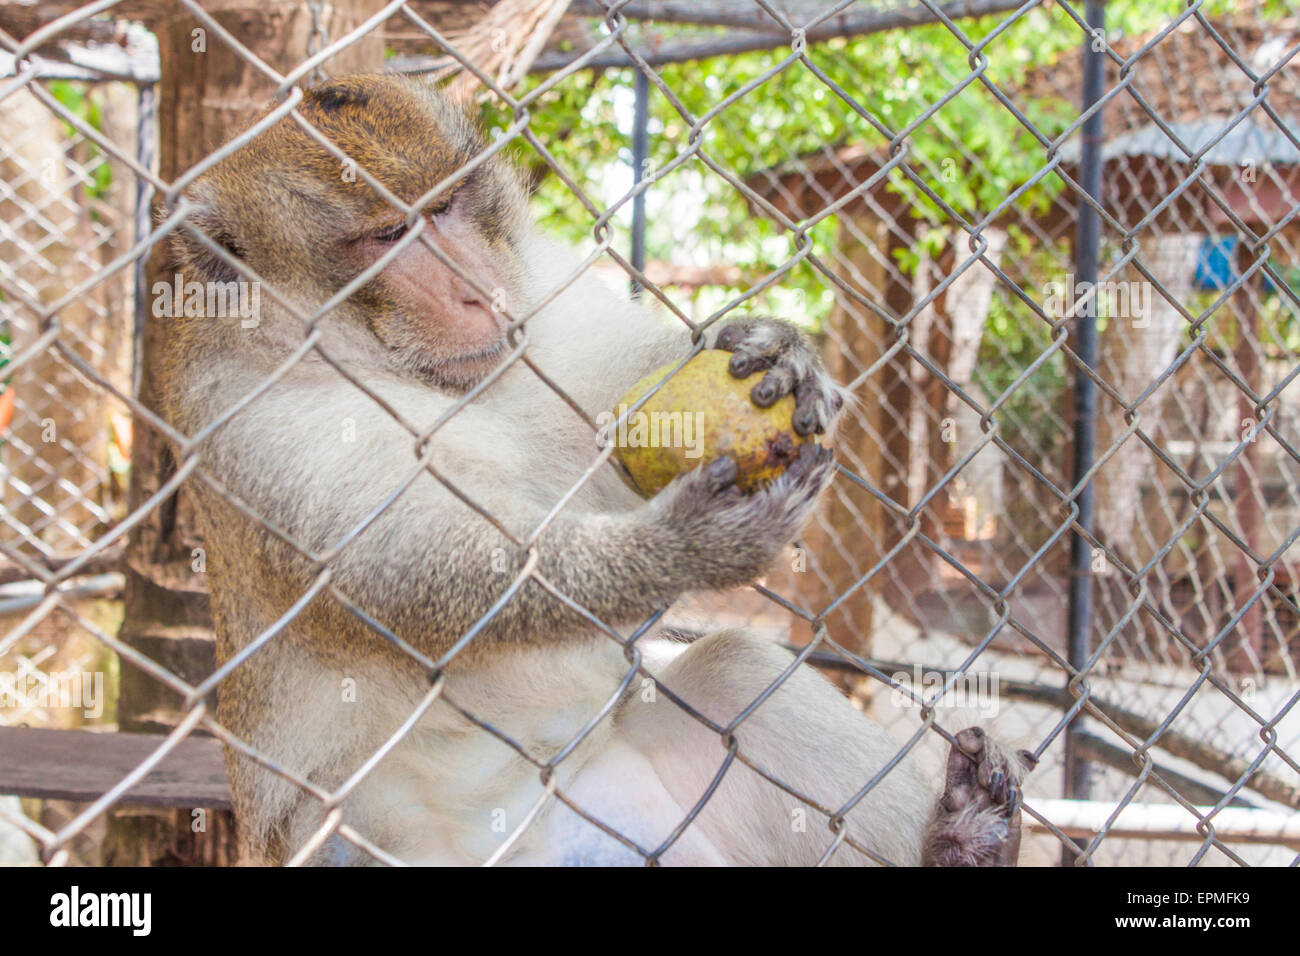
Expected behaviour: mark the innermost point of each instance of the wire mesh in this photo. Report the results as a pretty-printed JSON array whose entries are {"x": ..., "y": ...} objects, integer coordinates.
[{"x": 927, "y": 229}]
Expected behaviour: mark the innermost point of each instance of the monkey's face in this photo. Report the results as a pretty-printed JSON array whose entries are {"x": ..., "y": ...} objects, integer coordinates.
[
  {"x": 440, "y": 319},
  {"x": 309, "y": 223}
]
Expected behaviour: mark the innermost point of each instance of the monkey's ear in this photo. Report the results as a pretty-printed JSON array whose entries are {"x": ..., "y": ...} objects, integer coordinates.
[{"x": 191, "y": 255}]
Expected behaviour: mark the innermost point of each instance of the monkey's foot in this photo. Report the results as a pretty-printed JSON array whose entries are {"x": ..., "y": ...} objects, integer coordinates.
[{"x": 977, "y": 822}]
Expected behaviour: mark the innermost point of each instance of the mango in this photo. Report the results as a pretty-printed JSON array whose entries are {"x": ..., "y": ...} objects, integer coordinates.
[{"x": 701, "y": 414}]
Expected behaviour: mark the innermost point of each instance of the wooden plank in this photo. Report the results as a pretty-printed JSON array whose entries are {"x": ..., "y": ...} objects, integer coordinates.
[{"x": 80, "y": 765}]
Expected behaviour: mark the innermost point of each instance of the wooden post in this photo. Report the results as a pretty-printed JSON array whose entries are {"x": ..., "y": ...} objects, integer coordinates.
[
  {"x": 1246, "y": 652},
  {"x": 847, "y": 538}
]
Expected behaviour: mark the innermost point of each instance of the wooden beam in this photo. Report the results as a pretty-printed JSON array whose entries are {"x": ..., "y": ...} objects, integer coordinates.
[
  {"x": 82, "y": 766},
  {"x": 748, "y": 15}
]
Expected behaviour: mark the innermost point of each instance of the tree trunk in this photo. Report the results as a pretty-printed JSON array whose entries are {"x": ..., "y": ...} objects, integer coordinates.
[
  {"x": 966, "y": 304},
  {"x": 1137, "y": 349}
]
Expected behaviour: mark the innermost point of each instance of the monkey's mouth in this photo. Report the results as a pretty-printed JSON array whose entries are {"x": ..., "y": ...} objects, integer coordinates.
[
  {"x": 493, "y": 351},
  {"x": 462, "y": 371}
]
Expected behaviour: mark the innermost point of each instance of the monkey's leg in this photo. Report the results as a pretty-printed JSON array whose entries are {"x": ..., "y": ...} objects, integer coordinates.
[
  {"x": 805, "y": 734},
  {"x": 977, "y": 821}
]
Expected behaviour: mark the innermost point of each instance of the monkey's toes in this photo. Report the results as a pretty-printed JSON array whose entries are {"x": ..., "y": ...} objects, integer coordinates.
[
  {"x": 978, "y": 819},
  {"x": 982, "y": 775}
]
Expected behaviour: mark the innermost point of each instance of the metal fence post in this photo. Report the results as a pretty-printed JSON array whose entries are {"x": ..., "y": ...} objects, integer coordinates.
[
  {"x": 640, "y": 149},
  {"x": 1086, "y": 255}
]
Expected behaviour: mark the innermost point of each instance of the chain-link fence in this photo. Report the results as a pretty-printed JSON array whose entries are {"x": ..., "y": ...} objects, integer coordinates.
[{"x": 1049, "y": 253}]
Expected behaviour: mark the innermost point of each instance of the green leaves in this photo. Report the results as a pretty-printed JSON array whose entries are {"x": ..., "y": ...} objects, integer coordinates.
[{"x": 962, "y": 144}]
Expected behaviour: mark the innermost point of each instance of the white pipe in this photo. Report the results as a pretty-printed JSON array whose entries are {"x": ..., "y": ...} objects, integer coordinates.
[{"x": 1165, "y": 821}]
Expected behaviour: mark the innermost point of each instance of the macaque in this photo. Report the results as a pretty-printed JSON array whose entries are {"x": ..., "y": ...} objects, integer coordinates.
[{"x": 368, "y": 501}]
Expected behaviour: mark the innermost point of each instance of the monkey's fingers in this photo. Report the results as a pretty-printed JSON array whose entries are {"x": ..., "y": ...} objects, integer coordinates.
[
  {"x": 745, "y": 362},
  {"x": 812, "y": 463},
  {"x": 759, "y": 335},
  {"x": 721, "y": 473},
  {"x": 814, "y": 406},
  {"x": 979, "y": 818},
  {"x": 732, "y": 334},
  {"x": 960, "y": 785},
  {"x": 757, "y": 344},
  {"x": 997, "y": 776},
  {"x": 775, "y": 385}
]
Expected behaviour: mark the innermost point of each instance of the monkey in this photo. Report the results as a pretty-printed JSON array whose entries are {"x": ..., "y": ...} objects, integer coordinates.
[{"x": 422, "y": 658}]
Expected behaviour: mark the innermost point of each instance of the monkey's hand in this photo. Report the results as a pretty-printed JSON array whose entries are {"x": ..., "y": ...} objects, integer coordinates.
[
  {"x": 792, "y": 366},
  {"x": 722, "y": 538}
]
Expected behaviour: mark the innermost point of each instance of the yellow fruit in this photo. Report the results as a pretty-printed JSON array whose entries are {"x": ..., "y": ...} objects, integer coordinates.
[{"x": 701, "y": 414}]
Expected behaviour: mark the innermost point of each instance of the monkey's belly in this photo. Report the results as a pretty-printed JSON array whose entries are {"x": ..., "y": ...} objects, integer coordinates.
[
  {"x": 453, "y": 793},
  {"x": 619, "y": 787}
]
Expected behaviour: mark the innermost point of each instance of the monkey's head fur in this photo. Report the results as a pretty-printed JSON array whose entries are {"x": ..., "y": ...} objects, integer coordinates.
[{"x": 308, "y": 223}]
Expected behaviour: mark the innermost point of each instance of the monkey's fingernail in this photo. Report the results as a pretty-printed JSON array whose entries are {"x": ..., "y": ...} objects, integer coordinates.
[
  {"x": 805, "y": 421},
  {"x": 763, "y": 394},
  {"x": 740, "y": 365},
  {"x": 997, "y": 785}
]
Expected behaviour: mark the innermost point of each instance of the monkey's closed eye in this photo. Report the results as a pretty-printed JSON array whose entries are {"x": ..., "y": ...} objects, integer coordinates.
[{"x": 390, "y": 233}]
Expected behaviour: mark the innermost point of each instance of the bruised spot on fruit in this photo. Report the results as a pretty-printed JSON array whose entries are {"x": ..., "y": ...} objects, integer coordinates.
[
  {"x": 781, "y": 449},
  {"x": 701, "y": 414}
]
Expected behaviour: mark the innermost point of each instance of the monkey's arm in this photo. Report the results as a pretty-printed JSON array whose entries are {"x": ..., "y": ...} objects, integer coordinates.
[{"x": 429, "y": 567}]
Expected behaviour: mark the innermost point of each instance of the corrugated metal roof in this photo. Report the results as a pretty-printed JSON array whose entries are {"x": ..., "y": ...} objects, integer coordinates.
[{"x": 1247, "y": 142}]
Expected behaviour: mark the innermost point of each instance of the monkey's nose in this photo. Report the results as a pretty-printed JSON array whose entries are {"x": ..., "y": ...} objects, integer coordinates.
[{"x": 469, "y": 296}]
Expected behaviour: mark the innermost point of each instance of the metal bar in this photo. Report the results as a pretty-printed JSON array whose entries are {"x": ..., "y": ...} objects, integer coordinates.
[
  {"x": 747, "y": 41},
  {"x": 1087, "y": 252},
  {"x": 21, "y": 598},
  {"x": 640, "y": 151},
  {"x": 144, "y": 154}
]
